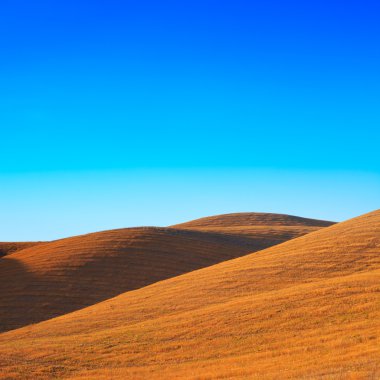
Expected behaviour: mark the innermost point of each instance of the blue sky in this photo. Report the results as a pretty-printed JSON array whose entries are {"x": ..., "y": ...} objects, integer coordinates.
[{"x": 124, "y": 113}]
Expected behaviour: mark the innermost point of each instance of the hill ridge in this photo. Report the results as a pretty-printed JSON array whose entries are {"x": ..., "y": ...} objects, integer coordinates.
[{"x": 253, "y": 219}]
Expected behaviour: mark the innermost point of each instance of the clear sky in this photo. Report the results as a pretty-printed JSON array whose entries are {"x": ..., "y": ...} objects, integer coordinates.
[{"x": 124, "y": 113}]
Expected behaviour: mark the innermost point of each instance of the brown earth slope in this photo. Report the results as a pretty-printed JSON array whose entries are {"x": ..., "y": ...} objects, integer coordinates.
[
  {"x": 6, "y": 248},
  {"x": 52, "y": 279},
  {"x": 307, "y": 308}
]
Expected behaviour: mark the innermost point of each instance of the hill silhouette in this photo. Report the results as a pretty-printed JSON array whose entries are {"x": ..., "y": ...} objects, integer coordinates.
[{"x": 307, "y": 308}]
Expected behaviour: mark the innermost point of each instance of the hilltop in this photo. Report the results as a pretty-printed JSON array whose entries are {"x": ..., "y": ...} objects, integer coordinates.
[
  {"x": 249, "y": 219},
  {"x": 257, "y": 225}
]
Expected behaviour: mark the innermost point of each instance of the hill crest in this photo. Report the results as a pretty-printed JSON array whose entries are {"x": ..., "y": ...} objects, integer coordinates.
[{"x": 253, "y": 219}]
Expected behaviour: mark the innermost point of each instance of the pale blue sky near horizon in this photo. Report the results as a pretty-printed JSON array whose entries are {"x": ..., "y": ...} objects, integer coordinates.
[
  {"x": 125, "y": 113},
  {"x": 56, "y": 205}
]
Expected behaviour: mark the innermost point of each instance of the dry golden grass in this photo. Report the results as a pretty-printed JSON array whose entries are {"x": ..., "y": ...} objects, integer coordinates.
[
  {"x": 6, "y": 248},
  {"x": 253, "y": 219},
  {"x": 308, "y": 308},
  {"x": 257, "y": 225},
  {"x": 55, "y": 278}
]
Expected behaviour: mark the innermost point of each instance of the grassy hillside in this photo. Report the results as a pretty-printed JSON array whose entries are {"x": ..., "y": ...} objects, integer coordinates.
[
  {"x": 307, "y": 308},
  {"x": 261, "y": 226},
  {"x": 249, "y": 219},
  {"x": 58, "y": 277},
  {"x": 6, "y": 248},
  {"x": 41, "y": 282}
]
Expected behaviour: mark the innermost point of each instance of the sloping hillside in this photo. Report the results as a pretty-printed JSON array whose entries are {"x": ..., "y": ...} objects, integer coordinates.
[
  {"x": 308, "y": 308},
  {"x": 65, "y": 275},
  {"x": 6, "y": 248}
]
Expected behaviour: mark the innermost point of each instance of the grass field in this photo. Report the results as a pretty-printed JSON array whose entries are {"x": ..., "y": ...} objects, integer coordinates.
[{"x": 307, "y": 308}]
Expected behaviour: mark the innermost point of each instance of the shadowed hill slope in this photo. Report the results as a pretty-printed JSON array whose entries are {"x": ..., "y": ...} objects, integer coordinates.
[
  {"x": 44, "y": 281},
  {"x": 6, "y": 248},
  {"x": 307, "y": 308}
]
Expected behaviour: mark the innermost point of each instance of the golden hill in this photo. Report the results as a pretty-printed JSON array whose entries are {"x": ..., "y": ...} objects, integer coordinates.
[
  {"x": 44, "y": 281},
  {"x": 307, "y": 308},
  {"x": 7, "y": 248},
  {"x": 257, "y": 225},
  {"x": 58, "y": 277},
  {"x": 250, "y": 219}
]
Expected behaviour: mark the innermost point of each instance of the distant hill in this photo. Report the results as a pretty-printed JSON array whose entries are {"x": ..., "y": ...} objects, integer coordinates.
[
  {"x": 269, "y": 229},
  {"x": 54, "y": 278},
  {"x": 250, "y": 219},
  {"x": 307, "y": 308}
]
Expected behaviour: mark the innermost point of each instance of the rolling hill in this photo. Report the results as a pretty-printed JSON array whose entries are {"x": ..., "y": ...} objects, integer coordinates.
[
  {"x": 307, "y": 308},
  {"x": 263, "y": 226},
  {"x": 249, "y": 219},
  {"x": 7, "y": 248},
  {"x": 58, "y": 277}
]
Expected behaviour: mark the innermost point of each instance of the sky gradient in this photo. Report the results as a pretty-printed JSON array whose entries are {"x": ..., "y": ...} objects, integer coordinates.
[{"x": 124, "y": 113}]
